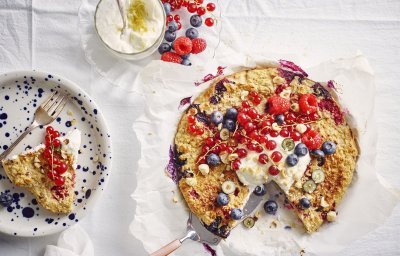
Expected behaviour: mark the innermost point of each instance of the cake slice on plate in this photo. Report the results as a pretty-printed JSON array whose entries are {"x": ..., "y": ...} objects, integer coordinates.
[{"x": 48, "y": 171}]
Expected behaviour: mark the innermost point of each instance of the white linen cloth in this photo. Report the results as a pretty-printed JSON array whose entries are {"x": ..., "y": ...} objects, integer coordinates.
[
  {"x": 44, "y": 35},
  {"x": 72, "y": 242}
]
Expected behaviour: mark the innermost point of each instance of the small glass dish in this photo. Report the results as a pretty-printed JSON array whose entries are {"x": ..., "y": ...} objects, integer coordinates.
[{"x": 136, "y": 55}]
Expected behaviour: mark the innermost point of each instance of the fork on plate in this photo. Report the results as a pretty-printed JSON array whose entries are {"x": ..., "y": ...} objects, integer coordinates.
[{"x": 45, "y": 114}]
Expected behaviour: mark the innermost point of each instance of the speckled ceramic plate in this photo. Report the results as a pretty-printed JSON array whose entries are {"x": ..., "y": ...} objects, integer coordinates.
[{"x": 20, "y": 94}]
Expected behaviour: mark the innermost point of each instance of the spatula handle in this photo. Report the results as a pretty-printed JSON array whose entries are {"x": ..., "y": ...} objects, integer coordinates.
[{"x": 167, "y": 249}]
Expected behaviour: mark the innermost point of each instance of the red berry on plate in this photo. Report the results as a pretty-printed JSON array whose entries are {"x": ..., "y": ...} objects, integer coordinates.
[
  {"x": 55, "y": 134},
  {"x": 296, "y": 136},
  {"x": 209, "y": 22},
  {"x": 210, "y": 7},
  {"x": 242, "y": 119},
  {"x": 205, "y": 149},
  {"x": 210, "y": 141},
  {"x": 256, "y": 100},
  {"x": 263, "y": 139},
  {"x": 278, "y": 105},
  {"x": 236, "y": 164},
  {"x": 249, "y": 127},
  {"x": 273, "y": 170},
  {"x": 223, "y": 147},
  {"x": 314, "y": 116},
  {"x": 274, "y": 133},
  {"x": 276, "y": 156},
  {"x": 263, "y": 158},
  {"x": 192, "y": 7},
  {"x": 290, "y": 117},
  {"x": 242, "y": 153},
  {"x": 191, "y": 119},
  {"x": 56, "y": 143},
  {"x": 170, "y": 18},
  {"x": 47, "y": 153},
  {"x": 201, "y": 11},
  {"x": 308, "y": 103},
  {"x": 200, "y": 131},
  {"x": 183, "y": 45},
  {"x": 198, "y": 45},
  {"x": 179, "y": 25},
  {"x": 61, "y": 168},
  {"x": 51, "y": 175},
  {"x": 192, "y": 128},
  {"x": 270, "y": 145},
  {"x": 312, "y": 139},
  {"x": 171, "y": 57},
  {"x": 252, "y": 113},
  {"x": 177, "y": 17},
  {"x": 259, "y": 148},
  {"x": 251, "y": 146},
  {"x": 245, "y": 104},
  {"x": 49, "y": 129},
  {"x": 284, "y": 133},
  {"x": 59, "y": 181},
  {"x": 199, "y": 1}
]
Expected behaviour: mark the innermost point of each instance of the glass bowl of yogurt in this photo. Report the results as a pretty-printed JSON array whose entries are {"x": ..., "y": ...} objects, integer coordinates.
[{"x": 144, "y": 32}]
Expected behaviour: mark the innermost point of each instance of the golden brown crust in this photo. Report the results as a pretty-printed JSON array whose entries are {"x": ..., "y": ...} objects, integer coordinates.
[
  {"x": 29, "y": 171},
  {"x": 201, "y": 194}
]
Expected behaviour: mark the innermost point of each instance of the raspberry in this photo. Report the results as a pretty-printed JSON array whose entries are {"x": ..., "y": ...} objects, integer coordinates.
[
  {"x": 277, "y": 105},
  {"x": 312, "y": 139},
  {"x": 183, "y": 45},
  {"x": 199, "y": 45},
  {"x": 308, "y": 103},
  {"x": 171, "y": 57}
]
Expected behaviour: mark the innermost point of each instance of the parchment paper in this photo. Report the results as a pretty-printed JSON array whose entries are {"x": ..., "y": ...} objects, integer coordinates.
[{"x": 158, "y": 220}]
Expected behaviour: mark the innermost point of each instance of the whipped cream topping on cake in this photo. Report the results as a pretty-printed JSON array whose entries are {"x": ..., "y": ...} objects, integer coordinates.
[{"x": 252, "y": 173}]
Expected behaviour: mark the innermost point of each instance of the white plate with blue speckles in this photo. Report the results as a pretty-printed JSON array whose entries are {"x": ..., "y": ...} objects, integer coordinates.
[{"x": 20, "y": 94}]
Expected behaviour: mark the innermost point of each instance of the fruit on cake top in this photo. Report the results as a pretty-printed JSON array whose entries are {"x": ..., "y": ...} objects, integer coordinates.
[{"x": 259, "y": 126}]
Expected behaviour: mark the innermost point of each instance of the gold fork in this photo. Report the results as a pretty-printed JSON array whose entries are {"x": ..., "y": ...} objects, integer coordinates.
[{"x": 45, "y": 114}]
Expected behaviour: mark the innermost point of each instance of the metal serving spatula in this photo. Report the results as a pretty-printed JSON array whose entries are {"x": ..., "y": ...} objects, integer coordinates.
[{"x": 197, "y": 232}]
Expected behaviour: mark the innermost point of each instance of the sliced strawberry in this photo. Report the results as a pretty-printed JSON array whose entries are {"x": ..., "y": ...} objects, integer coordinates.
[{"x": 312, "y": 139}]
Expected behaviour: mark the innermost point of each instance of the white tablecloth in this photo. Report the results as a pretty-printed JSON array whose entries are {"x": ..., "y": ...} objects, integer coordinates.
[{"x": 43, "y": 35}]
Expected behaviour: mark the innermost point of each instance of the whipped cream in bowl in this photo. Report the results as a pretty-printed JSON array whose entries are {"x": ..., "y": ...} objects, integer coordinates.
[{"x": 145, "y": 20}]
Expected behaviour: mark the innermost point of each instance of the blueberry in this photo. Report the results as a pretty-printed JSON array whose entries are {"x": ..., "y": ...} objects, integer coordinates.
[
  {"x": 319, "y": 155},
  {"x": 169, "y": 36},
  {"x": 164, "y": 47},
  {"x": 301, "y": 149},
  {"x": 328, "y": 147},
  {"x": 231, "y": 113},
  {"x": 172, "y": 26},
  {"x": 213, "y": 159},
  {"x": 222, "y": 199},
  {"x": 217, "y": 117},
  {"x": 260, "y": 190},
  {"x": 196, "y": 21},
  {"x": 305, "y": 203},
  {"x": 6, "y": 199},
  {"x": 292, "y": 160},
  {"x": 279, "y": 119},
  {"x": 213, "y": 227},
  {"x": 167, "y": 8},
  {"x": 229, "y": 124},
  {"x": 192, "y": 33},
  {"x": 236, "y": 214},
  {"x": 223, "y": 231},
  {"x": 270, "y": 207},
  {"x": 186, "y": 56},
  {"x": 186, "y": 62}
]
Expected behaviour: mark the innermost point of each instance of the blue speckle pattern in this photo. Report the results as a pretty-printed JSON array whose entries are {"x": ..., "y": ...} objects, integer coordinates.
[{"x": 20, "y": 95}]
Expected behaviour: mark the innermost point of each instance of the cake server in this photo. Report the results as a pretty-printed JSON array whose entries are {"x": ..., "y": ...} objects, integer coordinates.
[{"x": 196, "y": 231}]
